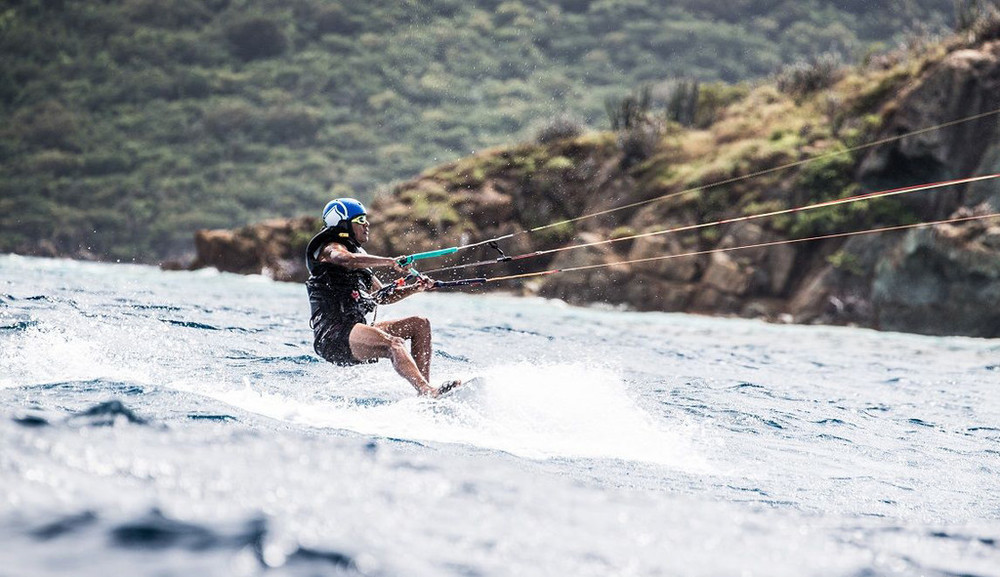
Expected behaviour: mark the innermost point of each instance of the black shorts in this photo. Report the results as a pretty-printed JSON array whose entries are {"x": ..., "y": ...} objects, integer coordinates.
[{"x": 333, "y": 339}]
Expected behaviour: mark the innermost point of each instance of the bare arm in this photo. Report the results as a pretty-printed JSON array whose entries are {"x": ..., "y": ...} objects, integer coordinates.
[{"x": 335, "y": 253}]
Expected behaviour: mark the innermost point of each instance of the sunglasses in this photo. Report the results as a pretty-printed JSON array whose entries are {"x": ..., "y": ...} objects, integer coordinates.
[{"x": 360, "y": 219}]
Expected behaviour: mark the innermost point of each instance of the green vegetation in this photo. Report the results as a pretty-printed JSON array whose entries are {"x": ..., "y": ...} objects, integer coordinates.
[{"x": 125, "y": 126}]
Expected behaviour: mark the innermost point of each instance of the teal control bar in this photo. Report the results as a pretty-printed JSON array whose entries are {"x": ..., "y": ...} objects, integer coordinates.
[{"x": 407, "y": 260}]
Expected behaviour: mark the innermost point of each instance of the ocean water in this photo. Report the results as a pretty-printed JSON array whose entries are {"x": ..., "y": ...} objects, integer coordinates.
[{"x": 178, "y": 423}]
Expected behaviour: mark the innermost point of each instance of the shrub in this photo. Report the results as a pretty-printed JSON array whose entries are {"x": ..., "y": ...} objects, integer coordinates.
[
  {"x": 638, "y": 133},
  {"x": 99, "y": 164},
  {"x": 558, "y": 164},
  {"x": 291, "y": 125},
  {"x": 194, "y": 49},
  {"x": 555, "y": 235},
  {"x": 333, "y": 19},
  {"x": 809, "y": 76},
  {"x": 825, "y": 178},
  {"x": 190, "y": 83},
  {"x": 969, "y": 12},
  {"x": 714, "y": 97},
  {"x": 55, "y": 162},
  {"x": 457, "y": 138},
  {"x": 168, "y": 13},
  {"x": 846, "y": 262},
  {"x": 682, "y": 102},
  {"x": 228, "y": 119},
  {"x": 48, "y": 125},
  {"x": 986, "y": 26},
  {"x": 134, "y": 86},
  {"x": 575, "y": 6},
  {"x": 508, "y": 13},
  {"x": 255, "y": 38},
  {"x": 8, "y": 88},
  {"x": 560, "y": 128},
  {"x": 631, "y": 111},
  {"x": 638, "y": 143}
]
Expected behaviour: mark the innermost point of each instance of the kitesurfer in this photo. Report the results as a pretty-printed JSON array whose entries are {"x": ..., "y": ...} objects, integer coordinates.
[{"x": 343, "y": 290}]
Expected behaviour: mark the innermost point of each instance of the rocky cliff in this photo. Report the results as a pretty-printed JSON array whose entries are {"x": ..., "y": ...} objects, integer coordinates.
[
  {"x": 274, "y": 248},
  {"x": 775, "y": 147}
]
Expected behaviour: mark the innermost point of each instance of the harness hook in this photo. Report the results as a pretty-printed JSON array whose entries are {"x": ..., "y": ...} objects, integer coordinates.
[{"x": 502, "y": 258}]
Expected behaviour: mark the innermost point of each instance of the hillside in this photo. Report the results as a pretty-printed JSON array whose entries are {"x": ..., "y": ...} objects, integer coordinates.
[
  {"x": 125, "y": 126},
  {"x": 799, "y": 141}
]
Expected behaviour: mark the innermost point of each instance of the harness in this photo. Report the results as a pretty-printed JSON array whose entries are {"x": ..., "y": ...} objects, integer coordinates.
[{"x": 336, "y": 290}]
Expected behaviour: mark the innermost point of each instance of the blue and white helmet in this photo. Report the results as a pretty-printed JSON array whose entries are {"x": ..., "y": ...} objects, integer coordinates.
[{"x": 342, "y": 210}]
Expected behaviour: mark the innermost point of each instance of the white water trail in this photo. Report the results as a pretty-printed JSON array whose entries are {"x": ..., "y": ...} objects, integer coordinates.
[{"x": 552, "y": 411}]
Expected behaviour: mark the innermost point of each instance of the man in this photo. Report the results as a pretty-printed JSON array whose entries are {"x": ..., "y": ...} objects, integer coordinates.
[{"x": 343, "y": 290}]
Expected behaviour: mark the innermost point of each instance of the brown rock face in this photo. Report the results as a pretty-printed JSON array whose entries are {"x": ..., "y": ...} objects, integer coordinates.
[
  {"x": 941, "y": 280},
  {"x": 965, "y": 84},
  {"x": 274, "y": 248}
]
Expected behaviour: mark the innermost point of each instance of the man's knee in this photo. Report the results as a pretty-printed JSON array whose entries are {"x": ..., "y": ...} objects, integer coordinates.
[{"x": 420, "y": 324}]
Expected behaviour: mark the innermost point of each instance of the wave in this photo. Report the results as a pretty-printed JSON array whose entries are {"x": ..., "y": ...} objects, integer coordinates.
[{"x": 253, "y": 541}]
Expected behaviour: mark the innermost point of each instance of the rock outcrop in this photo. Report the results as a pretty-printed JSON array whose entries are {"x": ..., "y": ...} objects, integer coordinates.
[
  {"x": 946, "y": 276},
  {"x": 273, "y": 248},
  {"x": 942, "y": 279}
]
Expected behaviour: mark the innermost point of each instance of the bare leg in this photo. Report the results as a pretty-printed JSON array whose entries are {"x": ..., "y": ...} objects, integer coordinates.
[
  {"x": 418, "y": 331},
  {"x": 371, "y": 342}
]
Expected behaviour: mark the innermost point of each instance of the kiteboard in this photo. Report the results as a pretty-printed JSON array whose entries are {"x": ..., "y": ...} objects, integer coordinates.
[{"x": 449, "y": 387}]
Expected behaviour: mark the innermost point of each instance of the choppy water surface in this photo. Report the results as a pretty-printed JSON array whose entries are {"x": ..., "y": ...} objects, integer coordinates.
[{"x": 160, "y": 423}]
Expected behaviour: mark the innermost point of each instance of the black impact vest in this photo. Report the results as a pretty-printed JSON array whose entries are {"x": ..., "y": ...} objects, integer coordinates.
[{"x": 337, "y": 292}]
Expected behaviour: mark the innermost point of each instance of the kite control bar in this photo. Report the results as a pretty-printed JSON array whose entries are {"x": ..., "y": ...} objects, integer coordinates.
[
  {"x": 406, "y": 261},
  {"x": 412, "y": 273},
  {"x": 409, "y": 259},
  {"x": 460, "y": 282}
]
